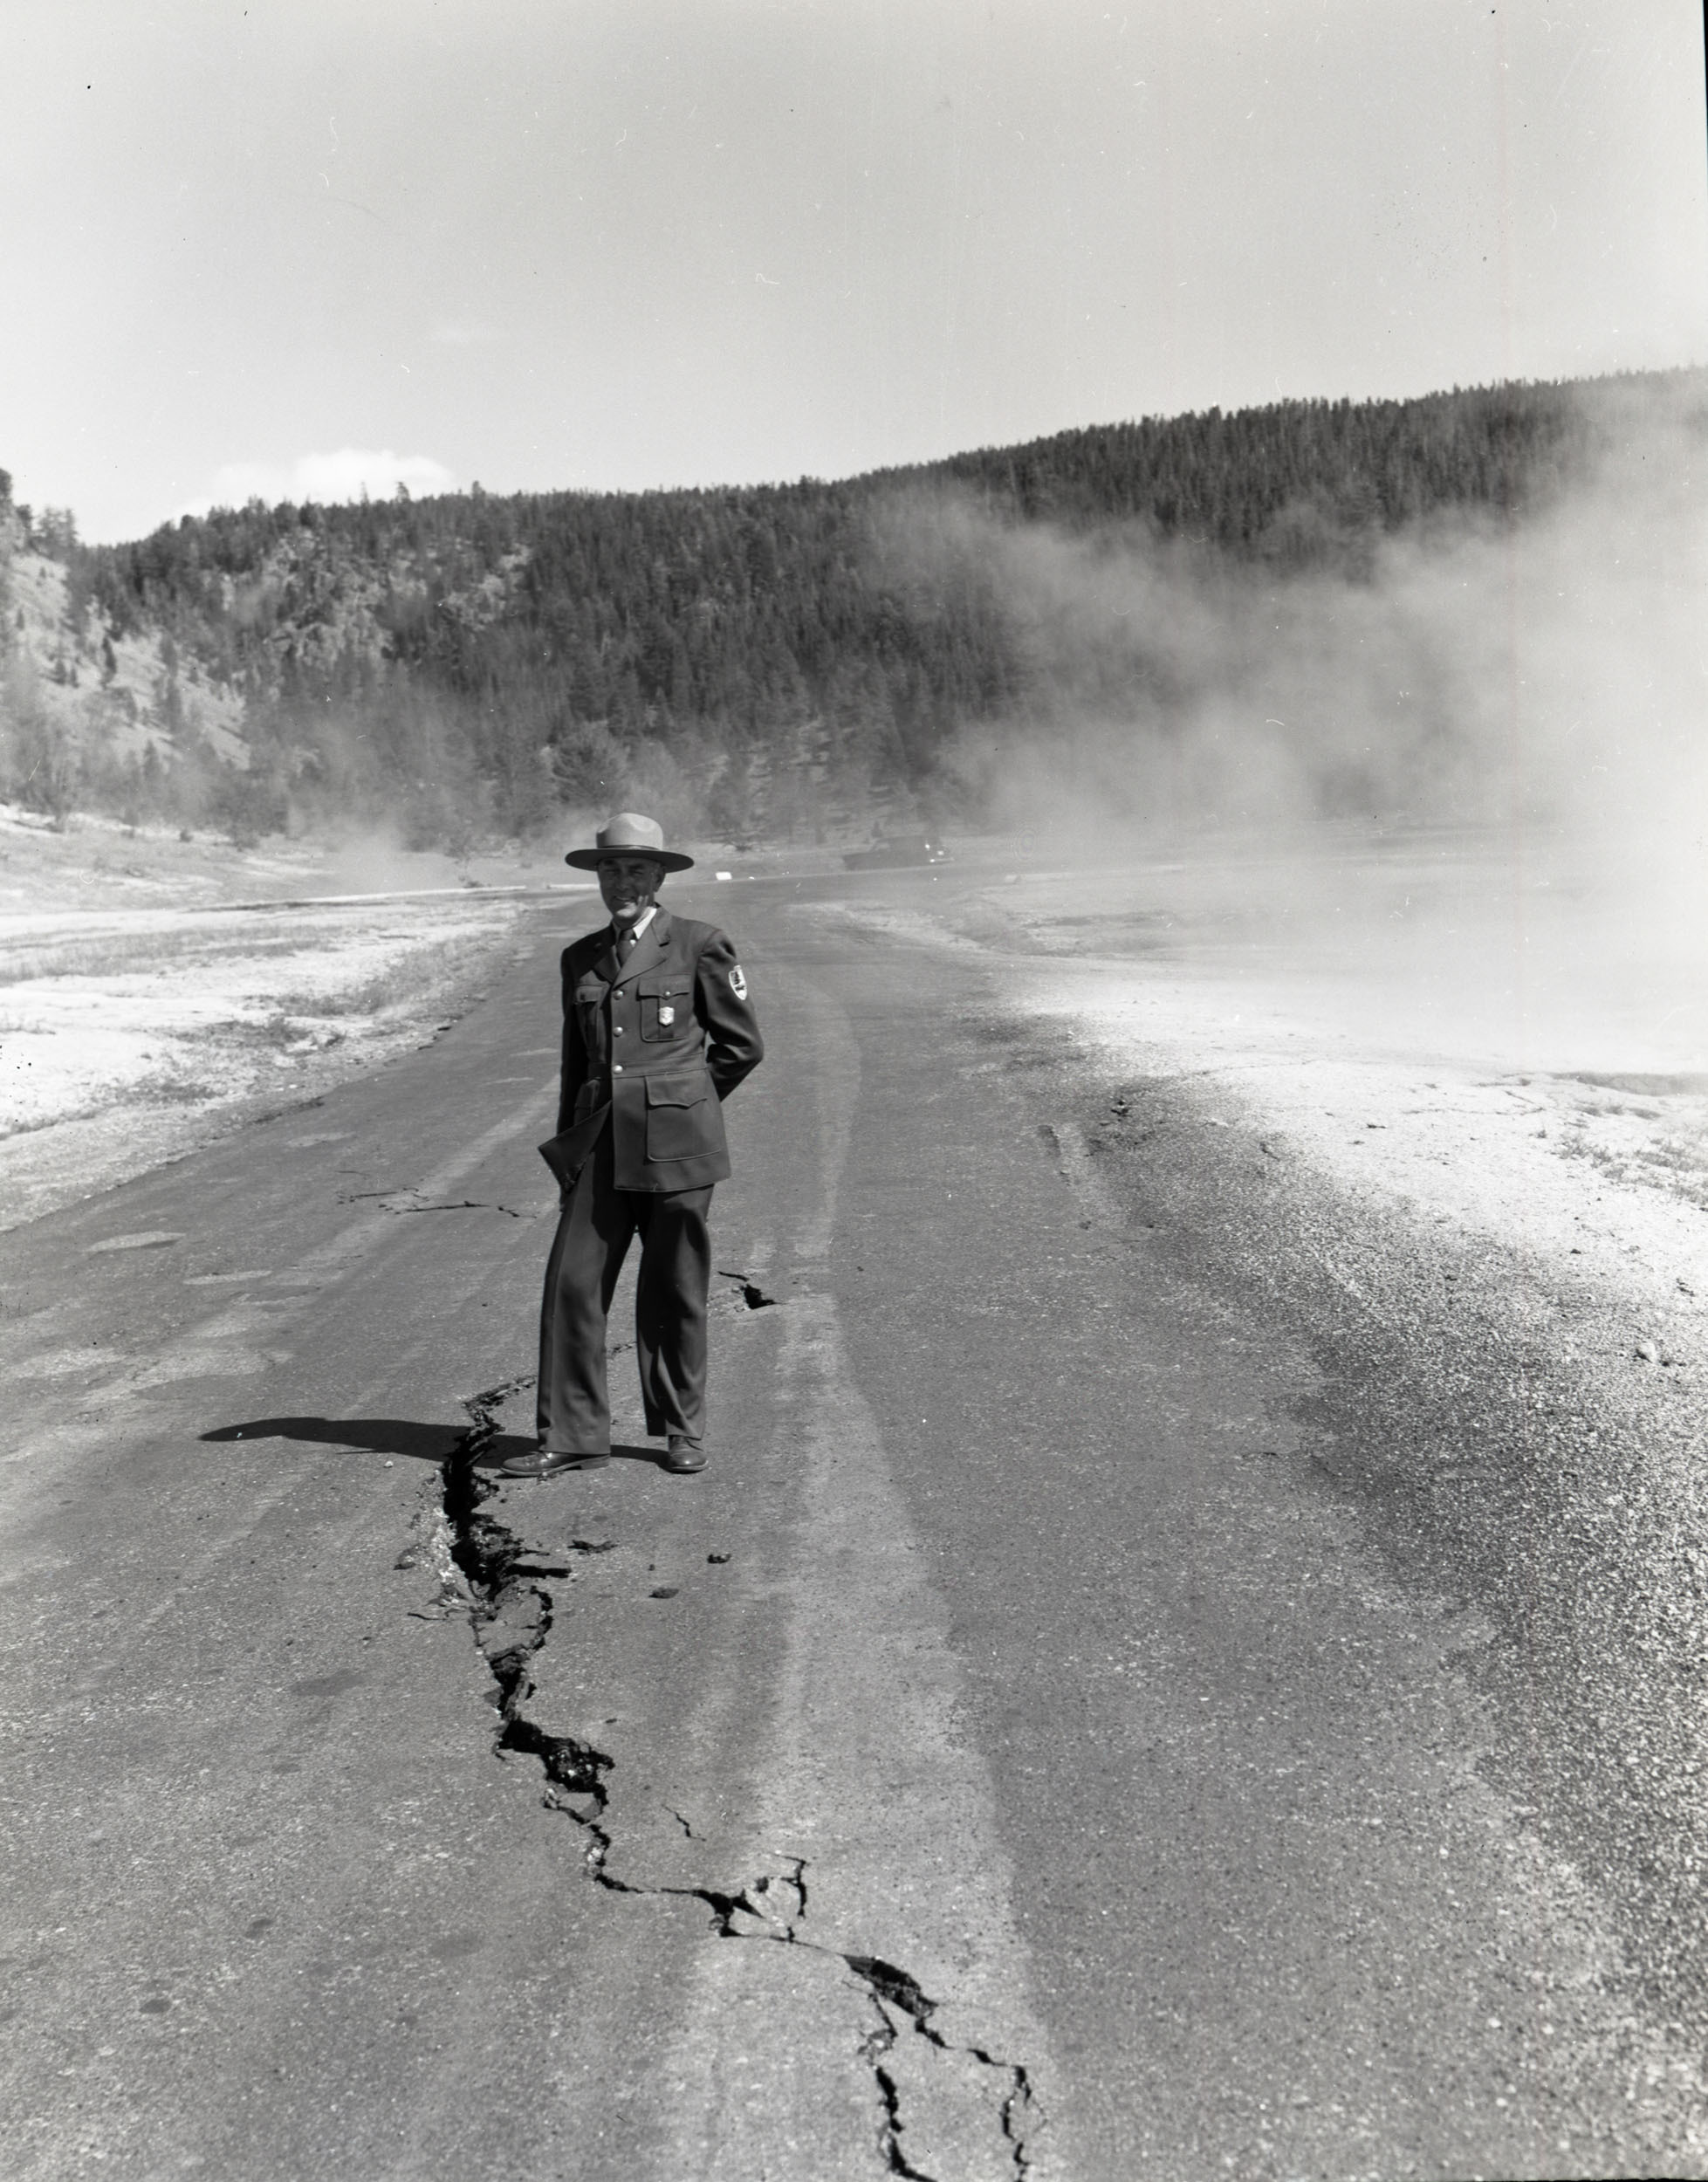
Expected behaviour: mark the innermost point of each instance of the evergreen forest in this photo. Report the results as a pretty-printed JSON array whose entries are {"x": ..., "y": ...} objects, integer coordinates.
[{"x": 752, "y": 662}]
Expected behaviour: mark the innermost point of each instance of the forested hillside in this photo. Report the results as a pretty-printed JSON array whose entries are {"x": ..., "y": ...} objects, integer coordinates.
[{"x": 751, "y": 660}]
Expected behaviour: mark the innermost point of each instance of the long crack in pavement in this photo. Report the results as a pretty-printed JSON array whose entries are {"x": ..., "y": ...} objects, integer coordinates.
[{"x": 511, "y": 1615}]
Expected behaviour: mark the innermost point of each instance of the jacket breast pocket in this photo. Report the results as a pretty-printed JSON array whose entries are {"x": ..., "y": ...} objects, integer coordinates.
[
  {"x": 667, "y": 1008},
  {"x": 676, "y": 1115}
]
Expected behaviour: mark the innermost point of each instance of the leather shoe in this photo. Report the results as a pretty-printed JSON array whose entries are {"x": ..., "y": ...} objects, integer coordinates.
[
  {"x": 684, "y": 1456},
  {"x": 543, "y": 1463}
]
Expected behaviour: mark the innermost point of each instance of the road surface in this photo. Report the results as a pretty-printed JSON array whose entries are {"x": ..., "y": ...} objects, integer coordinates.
[{"x": 1065, "y": 1733}]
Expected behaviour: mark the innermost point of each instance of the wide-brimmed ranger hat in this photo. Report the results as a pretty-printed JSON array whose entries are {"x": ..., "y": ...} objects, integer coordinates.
[{"x": 630, "y": 833}]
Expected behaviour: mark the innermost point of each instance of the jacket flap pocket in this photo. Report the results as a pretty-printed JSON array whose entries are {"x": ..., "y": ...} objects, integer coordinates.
[
  {"x": 678, "y": 1090},
  {"x": 590, "y": 989},
  {"x": 660, "y": 988}
]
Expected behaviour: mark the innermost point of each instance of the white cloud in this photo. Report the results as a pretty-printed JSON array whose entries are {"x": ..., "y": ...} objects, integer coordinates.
[{"x": 344, "y": 475}]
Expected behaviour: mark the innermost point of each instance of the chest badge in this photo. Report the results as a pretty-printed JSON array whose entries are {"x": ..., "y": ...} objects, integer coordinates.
[{"x": 666, "y": 1015}]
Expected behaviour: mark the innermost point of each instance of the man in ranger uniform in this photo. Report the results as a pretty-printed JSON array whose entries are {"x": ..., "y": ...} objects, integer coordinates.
[{"x": 658, "y": 1030}]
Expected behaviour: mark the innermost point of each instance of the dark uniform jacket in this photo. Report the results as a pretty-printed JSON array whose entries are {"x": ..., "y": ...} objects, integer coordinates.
[{"x": 655, "y": 1046}]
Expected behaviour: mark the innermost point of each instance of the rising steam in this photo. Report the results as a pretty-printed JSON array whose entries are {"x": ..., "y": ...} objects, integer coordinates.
[{"x": 1529, "y": 695}]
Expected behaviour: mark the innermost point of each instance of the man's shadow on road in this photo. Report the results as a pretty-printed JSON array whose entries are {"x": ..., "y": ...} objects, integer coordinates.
[{"x": 401, "y": 1436}]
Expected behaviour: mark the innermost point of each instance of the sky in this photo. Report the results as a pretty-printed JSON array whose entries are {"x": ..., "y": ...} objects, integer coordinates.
[{"x": 294, "y": 248}]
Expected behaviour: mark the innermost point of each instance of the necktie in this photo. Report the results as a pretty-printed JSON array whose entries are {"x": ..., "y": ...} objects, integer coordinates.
[{"x": 628, "y": 940}]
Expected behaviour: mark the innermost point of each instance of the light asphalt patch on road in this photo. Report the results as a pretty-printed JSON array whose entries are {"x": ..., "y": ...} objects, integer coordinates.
[
  {"x": 876, "y": 2000},
  {"x": 793, "y": 1762},
  {"x": 868, "y": 1792}
]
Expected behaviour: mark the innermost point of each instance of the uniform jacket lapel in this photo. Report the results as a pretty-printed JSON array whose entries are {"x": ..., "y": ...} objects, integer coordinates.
[{"x": 647, "y": 951}]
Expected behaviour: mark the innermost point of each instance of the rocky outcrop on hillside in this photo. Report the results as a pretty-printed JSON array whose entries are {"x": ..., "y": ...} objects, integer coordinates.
[{"x": 92, "y": 713}]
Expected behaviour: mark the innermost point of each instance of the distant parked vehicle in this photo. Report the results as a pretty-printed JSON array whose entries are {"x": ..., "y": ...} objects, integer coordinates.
[{"x": 893, "y": 850}]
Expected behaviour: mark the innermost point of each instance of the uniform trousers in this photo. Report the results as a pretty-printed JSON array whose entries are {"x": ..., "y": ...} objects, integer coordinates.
[{"x": 594, "y": 1230}]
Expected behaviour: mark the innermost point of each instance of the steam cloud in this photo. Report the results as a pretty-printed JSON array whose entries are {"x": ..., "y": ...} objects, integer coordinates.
[{"x": 1518, "y": 708}]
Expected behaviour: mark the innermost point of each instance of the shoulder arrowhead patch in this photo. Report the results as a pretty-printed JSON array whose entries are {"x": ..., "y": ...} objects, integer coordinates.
[{"x": 737, "y": 983}]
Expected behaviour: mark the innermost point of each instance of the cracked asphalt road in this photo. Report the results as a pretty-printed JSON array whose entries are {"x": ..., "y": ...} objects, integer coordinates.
[{"x": 1052, "y": 1739}]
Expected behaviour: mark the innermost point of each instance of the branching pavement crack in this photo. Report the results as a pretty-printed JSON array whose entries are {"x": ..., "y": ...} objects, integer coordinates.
[
  {"x": 398, "y": 1202},
  {"x": 512, "y": 1617},
  {"x": 895, "y": 1994},
  {"x": 462, "y": 1204}
]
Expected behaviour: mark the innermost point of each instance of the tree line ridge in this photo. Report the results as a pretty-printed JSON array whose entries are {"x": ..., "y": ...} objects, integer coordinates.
[{"x": 749, "y": 660}]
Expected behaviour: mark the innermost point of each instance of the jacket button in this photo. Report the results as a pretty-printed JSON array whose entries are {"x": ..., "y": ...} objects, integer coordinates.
[
  {"x": 616, "y": 1030},
  {"x": 616, "y": 1067}
]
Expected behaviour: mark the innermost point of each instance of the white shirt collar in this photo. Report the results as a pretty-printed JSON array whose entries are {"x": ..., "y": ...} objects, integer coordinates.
[{"x": 642, "y": 921}]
